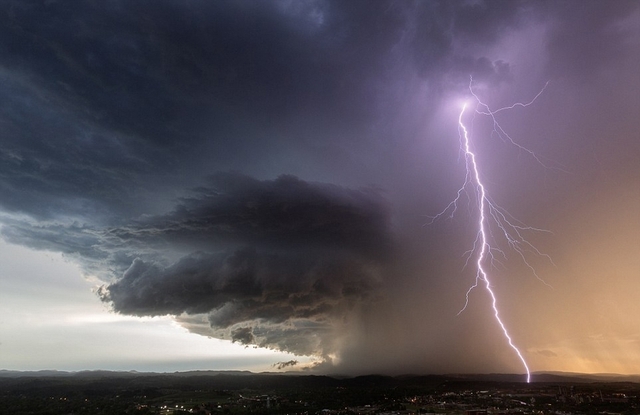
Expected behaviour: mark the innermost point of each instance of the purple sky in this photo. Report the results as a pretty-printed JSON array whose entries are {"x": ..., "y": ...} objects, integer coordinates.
[{"x": 264, "y": 173}]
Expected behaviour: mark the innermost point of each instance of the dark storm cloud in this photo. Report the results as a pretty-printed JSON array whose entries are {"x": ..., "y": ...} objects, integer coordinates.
[
  {"x": 242, "y": 335},
  {"x": 271, "y": 262},
  {"x": 86, "y": 84},
  {"x": 279, "y": 253},
  {"x": 286, "y": 212},
  {"x": 282, "y": 365},
  {"x": 587, "y": 37},
  {"x": 97, "y": 97},
  {"x": 109, "y": 109},
  {"x": 102, "y": 103},
  {"x": 439, "y": 27},
  {"x": 241, "y": 286}
]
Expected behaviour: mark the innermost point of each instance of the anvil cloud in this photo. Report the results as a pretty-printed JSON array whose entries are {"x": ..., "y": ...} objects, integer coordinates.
[{"x": 262, "y": 172}]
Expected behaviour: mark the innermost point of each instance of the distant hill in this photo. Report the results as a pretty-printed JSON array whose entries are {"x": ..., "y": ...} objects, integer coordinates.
[
  {"x": 35, "y": 373},
  {"x": 583, "y": 377},
  {"x": 242, "y": 377}
]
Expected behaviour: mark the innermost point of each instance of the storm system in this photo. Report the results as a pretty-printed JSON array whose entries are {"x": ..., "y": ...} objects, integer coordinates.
[{"x": 267, "y": 172}]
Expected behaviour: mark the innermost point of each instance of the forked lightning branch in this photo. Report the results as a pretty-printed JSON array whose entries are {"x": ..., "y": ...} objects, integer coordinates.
[{"x": 490, "y": 216}]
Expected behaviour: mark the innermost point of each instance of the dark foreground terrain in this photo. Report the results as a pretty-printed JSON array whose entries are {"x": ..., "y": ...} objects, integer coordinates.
[{"x": 244, "y": 393}]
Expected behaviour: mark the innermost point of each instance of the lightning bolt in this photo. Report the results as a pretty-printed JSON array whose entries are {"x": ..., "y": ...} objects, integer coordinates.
[{"x": 489, "y": 213}]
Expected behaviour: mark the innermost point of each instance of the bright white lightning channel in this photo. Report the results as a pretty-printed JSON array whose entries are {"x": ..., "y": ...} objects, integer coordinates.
[{"x": 488, "y": 211}]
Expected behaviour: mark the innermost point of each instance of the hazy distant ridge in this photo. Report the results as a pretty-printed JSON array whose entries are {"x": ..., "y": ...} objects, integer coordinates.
[{"x": 542, "y": 377}]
